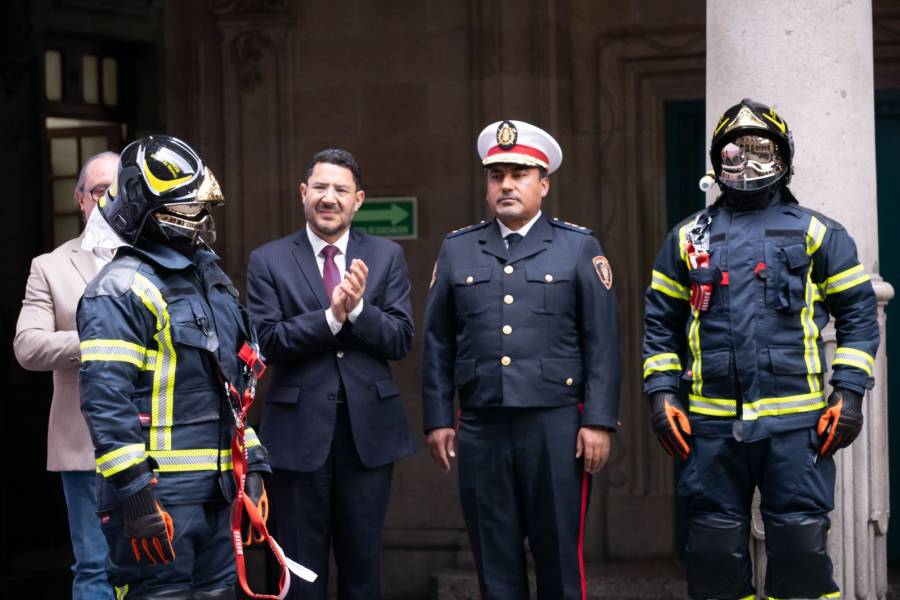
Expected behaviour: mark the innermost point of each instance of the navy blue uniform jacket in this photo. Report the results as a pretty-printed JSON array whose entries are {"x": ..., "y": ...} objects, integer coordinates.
[
  {"x": 535, "y": 329},
  {"x": 755, "y": 360},
  {"x": 287, "y": 300}
]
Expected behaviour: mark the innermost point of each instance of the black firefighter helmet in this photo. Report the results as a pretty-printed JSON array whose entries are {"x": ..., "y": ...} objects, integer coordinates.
[
  {"x": 752, "y": 148},
  {"x": 162, "y": 187}
]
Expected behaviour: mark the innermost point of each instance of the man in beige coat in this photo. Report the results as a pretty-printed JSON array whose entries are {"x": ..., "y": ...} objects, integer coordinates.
[{"x": 46, "y": 340}]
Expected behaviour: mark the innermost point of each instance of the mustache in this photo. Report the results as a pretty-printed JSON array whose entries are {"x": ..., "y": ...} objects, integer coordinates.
[{"x": 508, "y": 197}]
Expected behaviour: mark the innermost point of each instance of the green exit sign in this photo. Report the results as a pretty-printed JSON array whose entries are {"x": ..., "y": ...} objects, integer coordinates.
[{"x": 388, "y": 217}]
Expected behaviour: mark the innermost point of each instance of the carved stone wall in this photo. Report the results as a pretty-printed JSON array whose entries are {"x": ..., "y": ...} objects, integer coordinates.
[{"x": 406, "y": 85}]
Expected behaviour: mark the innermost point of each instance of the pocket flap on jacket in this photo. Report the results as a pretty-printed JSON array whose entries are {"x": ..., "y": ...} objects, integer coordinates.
[
  {"x": 283, "y": 395},
  {"x": 471, "y": 276},
  {"x": 549, "y": 274},
  {"x": 789, "y": 361},
  {"x": 796, "y": 256},
  {"x": 387, "y": 388},
  {"x": 561, "y": 370},
  {"x": 464, "y": 371},
  {"x": 714, "y": 363}
]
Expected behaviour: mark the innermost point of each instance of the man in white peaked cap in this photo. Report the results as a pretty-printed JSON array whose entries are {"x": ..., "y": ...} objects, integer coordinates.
[{"x": 522, "y": 322}]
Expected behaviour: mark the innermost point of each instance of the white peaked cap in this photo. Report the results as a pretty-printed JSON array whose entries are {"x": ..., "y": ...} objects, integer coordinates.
[{"x": 518, "y": 143}]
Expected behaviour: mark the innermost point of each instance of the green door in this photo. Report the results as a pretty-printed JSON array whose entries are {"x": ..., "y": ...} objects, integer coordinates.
[
  {"x": 685, "y": 165},
  {"x": 887, "y": 161}
]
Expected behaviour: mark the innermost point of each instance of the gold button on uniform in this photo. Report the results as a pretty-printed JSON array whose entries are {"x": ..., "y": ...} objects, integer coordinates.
[
  {"x": 508, "y": 299},
  {"x": 505, "y": 361},
  {"x": 508, "y": 269},
  {"x": 548, "y": 277},
  {"x": 470, "y": 280},
  {"x": 570, "y": 381},
  {"x": 507, "y": 329}
]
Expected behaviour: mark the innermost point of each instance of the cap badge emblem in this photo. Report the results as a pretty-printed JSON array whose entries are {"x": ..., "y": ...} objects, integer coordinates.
[{"x": 507, "y": 135}]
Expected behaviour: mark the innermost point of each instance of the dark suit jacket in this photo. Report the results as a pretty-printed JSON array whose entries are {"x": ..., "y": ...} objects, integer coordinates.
[{"x": 286, "y": 296}]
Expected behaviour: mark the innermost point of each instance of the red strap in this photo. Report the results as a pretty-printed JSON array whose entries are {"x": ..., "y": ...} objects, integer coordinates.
[
  {"x": 243, "y": 503},
  {"x": 725, "y": 279}
]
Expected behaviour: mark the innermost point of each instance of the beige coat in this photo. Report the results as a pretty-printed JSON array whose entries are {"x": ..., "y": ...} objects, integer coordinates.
[{"x": 46, "y": 339}]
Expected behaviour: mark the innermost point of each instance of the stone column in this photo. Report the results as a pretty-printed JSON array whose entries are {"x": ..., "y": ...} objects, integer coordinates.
[{"x": 813, "y": 61}]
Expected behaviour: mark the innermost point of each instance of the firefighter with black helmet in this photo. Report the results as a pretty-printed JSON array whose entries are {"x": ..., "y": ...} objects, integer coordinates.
[
  {"x": 739, "y": 295},
  {"x": 161, "y": 330}
]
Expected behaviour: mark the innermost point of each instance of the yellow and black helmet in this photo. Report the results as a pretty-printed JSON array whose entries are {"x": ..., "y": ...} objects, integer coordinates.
[
  {"x": 752, "y": 147},
  {"x": 162, "y": 176}
]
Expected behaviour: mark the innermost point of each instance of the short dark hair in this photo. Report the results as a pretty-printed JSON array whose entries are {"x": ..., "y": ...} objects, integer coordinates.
[{"x": 335, "y": 156}]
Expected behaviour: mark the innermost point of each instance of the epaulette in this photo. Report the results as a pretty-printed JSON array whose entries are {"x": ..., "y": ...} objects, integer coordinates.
[
  {"x": 468, "y": 228},
  {"x": 570, "y": 226},
  {"x": 115, "y": 278}
]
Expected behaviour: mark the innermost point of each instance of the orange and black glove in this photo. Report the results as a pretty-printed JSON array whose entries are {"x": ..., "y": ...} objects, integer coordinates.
[
  {"x": 670, "y": 423},
  {"x": 256, "y": 491},
  {"x": 149, "y": 526},
  {"x": 841, "y": 422}
]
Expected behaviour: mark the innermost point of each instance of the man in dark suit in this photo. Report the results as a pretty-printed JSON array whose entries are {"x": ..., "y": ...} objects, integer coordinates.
[
  {"x": 522, "y": 321},
  {"x": 332, "y": 308}
]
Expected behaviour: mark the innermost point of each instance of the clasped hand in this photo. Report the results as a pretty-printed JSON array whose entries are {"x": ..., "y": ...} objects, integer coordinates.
[{"x": 348, "y": 294}]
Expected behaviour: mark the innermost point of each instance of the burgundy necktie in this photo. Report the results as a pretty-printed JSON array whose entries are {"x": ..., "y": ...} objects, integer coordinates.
[{"x": 330, "y": 274}]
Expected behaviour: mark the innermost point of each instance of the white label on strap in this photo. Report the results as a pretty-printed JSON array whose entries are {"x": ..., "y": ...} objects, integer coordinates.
[{"x": 295, "y": 567}]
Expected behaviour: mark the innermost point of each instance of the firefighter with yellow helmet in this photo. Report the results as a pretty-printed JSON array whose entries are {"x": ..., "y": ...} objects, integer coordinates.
[{"x": 740, "y": 293}]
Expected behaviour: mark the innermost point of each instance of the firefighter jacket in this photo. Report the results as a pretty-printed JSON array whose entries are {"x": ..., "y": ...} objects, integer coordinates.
[
  {"x": 755, "y": 360},
  {"x": 535, "y": 327},
  {"x": 159, "y": 332}
]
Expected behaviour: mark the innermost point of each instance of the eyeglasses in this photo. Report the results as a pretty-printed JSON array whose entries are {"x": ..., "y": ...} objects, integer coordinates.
[{"x": 98, "y": 192}]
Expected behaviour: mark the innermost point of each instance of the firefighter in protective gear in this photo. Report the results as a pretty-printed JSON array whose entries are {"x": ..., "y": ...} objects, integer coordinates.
[
  {"x": 160, "y": 330},
  {"x": 739, "y": 296}
]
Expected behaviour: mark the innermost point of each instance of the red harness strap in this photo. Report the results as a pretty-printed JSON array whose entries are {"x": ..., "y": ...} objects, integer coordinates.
[{"x": 239, "y": 406}]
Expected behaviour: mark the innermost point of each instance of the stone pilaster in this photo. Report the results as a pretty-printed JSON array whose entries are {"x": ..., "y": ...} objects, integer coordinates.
[{"x": 788, "y": 55}]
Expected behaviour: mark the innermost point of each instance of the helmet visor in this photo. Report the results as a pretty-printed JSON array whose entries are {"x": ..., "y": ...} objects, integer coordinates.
[{"x": 751, "y": 162}]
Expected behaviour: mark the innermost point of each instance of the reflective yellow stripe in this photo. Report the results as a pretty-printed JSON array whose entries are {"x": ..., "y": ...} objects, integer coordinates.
[
  {"x": 118, "y": 351},
  {"x": 830, "y": 596},
  {"x": 811, "y": 336},
  {"x": 662, "y": 362},
  {"x": 669, "y": 286},
  {"x": 194, "y": 459},
  {"x": 121, "y": 592},
  {"x": 694, "y": 343},
  {"x": 814, "y": 235},
  {"x": 786, "y": 405},
  {"x": 845, "y": 280},
  {"x": 715, "y": 407},
  {"x": 120, "y": 459},
  {"x": 854, "y": 358},
  {"x": 250, "y": 438},
  {"x": 162, "y": 398}
]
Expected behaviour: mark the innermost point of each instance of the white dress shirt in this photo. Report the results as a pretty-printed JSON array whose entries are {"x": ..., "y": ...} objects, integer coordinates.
[
  {"x": 340, "y": 259},
  {"x": 523, "y": 230}
]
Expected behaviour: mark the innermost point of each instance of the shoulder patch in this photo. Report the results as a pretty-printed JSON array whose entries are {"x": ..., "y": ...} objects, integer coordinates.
[
  {"x": 604, "y": 271},
  {"x": 570, "y": 226},
  {"x": 115, "y": 278},
  {"x": 467, "y": 229}
]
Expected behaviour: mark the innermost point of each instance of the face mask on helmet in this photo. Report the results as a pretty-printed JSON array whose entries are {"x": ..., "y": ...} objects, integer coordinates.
[
  {"x": 191, "y": 222},
  {"x": 751, "y": 162}
]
